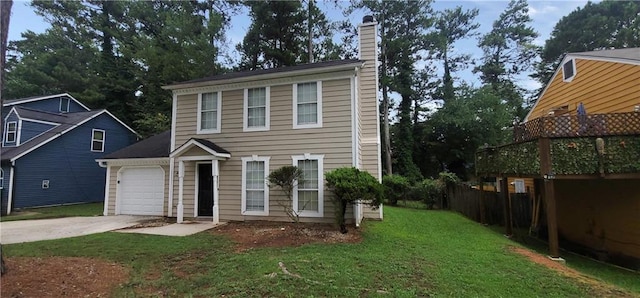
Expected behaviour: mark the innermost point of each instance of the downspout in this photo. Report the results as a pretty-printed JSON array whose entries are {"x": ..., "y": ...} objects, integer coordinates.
[{"x": 12, "y": 173}]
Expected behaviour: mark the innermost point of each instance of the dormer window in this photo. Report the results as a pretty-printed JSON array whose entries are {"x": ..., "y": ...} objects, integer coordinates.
[
  {"x": 64, "y": 104},
  {"x": 569, "y": 70},
  {"x": 11, "y": 132}
]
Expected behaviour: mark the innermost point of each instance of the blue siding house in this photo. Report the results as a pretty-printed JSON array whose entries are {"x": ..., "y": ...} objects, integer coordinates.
[{"x": 49, "y": 147}]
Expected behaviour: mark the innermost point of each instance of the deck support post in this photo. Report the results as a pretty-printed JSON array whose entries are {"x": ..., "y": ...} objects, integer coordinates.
[
  {"x": 483, "y": 218},
  {"x": 504, "y": 188},
  {"x": 546, "y": 170}
]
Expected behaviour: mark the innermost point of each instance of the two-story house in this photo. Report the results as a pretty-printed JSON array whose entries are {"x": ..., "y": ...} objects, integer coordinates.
[
  {"x": 230, "y": 131},
  {"x": 49, "y": 144}
]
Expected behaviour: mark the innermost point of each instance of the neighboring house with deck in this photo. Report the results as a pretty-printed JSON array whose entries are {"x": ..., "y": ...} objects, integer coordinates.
[
  {"x": 580, "y": 149},
  {"x": 49, "y": 144},
  {"x": 230, "y": 131}
]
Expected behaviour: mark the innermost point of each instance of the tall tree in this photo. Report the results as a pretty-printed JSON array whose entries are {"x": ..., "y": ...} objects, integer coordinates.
[
  {"x": 452, "y": 25},
  {"x": 509, "y": 51},
  {"x": 403, "y": 27},
  {"x": 604, "y": 25},
  {"x": 453, "y": 133},
  {"x": 274, "y": 38},
  {"x": 5, "y": 16}
]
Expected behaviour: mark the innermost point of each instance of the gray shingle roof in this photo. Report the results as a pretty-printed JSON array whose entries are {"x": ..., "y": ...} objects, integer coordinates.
[
  {"x": 249, "y": 73},
  {"x": 67, "y": 121},
  {"x": 212, "y": 146},
  {"x": 152, "y": 147},
  {"x": 631, "y": 54}
]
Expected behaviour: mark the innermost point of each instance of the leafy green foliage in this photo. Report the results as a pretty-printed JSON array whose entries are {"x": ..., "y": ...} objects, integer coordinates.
[
  {"x": 521, "y": 158},
  {"x": 457, "y": 130},
  {"x": 508, "y": 51},
  {"x": 286, "y": 178},
  {"x": 395, "y": 188},
  {"x": 597, "y": 25},
  {"x": 579, "y": 155},
  {"x": 350, "y": 185}
]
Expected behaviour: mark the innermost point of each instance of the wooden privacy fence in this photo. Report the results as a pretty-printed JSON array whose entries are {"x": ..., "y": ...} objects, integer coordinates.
[{"x": 466, "y": 200}]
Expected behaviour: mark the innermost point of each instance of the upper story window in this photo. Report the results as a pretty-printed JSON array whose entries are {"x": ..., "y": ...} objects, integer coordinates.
[
  {"x": 209, "y": 107},
  {"x": 256, "y": 109},
  {"x": 255, "y": 192},
  {"x": 64, "y": 104},
  {"x": 569, "y": 70},
  {"x": 307, "y": 105},
  {"x": 97, "y": 140},
  {"x": 11, "y": 132},
  {"x": 308, "y": 198}
]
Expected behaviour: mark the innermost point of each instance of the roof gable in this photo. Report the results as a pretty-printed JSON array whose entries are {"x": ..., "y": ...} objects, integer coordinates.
[
  {"x": 619, "y": 60},
  {"x": 205, "y": 145},
  {"x": 12, "y": 102}
]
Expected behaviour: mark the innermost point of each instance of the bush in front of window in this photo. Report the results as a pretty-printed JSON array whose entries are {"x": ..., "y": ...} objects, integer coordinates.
[
  {"x": 286, "y": 178},
  {"x": 349, "y": 186}
]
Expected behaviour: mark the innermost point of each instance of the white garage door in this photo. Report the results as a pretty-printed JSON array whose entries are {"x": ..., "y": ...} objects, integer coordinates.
[{"x": 141, "y": 191}]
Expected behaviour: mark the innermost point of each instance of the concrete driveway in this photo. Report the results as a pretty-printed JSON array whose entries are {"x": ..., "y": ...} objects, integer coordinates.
[{"x": 46, "y": 229}]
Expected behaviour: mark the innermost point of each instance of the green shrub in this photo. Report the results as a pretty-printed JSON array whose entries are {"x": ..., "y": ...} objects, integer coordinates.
[
  {"x": 350, "y": 185},
  {"x": 286, "y": 178},
  {"x": 396, "y": 187},
  {"x": 429, "y": 191}
]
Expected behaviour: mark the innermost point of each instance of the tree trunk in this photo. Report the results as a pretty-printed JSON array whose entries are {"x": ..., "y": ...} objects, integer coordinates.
[
  {"x": 343, "y": 211},
  {"x": 5, "y": 16},
  {"x": 385, "y": 102}
]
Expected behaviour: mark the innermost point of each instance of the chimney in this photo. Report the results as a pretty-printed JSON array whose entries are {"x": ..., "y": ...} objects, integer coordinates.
[{"x": 368, "y": 117}]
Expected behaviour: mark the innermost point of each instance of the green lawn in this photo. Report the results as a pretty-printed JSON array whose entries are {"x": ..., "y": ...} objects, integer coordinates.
[
  {"x": 411, "y": 253},
  {"x": 91, "y": 209}
]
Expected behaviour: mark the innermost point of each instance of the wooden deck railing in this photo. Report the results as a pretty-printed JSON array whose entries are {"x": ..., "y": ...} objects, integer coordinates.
[{"x": 590, "y": 125}]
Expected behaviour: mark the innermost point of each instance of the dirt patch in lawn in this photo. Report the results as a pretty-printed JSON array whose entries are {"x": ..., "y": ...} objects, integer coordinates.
[
  {"x": 596, "y": 287},
  {"x": 61, "y": 277},
  {"x": 256, "y": 234}
]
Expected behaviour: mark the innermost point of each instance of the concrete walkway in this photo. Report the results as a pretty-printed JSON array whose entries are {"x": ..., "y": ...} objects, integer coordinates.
[
  {"x": 46, "y": 229},
  {"x": 184, "y": 229}
]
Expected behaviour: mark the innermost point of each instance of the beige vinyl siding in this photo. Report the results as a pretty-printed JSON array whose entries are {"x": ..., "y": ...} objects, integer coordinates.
[
  {"x": 333, "y": 140},
  {"x": 603, "y": 87},
  {"x": 113, "y": 187}
]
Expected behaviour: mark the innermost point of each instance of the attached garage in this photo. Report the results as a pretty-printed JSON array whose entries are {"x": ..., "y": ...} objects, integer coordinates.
[
  {"x": 140, "y": 191},
  {"x": 137, "y": 180}
]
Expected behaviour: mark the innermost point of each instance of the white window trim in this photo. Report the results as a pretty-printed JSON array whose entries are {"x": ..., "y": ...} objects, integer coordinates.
[
  {"x": 93, "y": 139},
  {"x": 219, "y": 114},
  {"x": 245, "y": 116},
  {"x": 264, "y": 159},
  {"x": 15, "y": 132},
  {"x": 573, "y": 65},
  {"x": 318, "y": 124},
  {"x": 68, "y": 103},
  {"x": 320, "y": 212}
]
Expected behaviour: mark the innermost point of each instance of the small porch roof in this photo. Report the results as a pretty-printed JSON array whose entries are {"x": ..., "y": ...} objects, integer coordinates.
[{"x": 205, "y": 145}]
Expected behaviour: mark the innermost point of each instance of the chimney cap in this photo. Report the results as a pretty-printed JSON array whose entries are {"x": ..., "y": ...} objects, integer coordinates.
[{"x": 367, "y": 19}]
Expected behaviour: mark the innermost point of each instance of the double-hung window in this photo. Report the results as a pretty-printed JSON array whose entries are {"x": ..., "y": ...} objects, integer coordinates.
[
  {"x": 12, "y": 131},
  {"x": 255, "y": 192},
  {"x": 97, "y": 140},
  {"x": 256, "y": 109},
  {"x": 308, "y": 193},
  {"x": 209, "y": 107},
  {"x": 307, "y": 105}
]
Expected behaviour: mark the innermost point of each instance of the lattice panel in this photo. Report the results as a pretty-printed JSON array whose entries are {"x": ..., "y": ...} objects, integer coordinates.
[{"x": 591, "y": 125}]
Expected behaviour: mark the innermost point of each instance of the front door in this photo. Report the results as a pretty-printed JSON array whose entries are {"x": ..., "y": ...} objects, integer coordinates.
[{"x": 205, "y": 190}]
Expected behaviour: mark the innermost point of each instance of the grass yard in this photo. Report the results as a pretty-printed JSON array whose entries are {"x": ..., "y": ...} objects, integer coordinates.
[
  {"x": 411, "y": 253},
  {"x": 91, "y": 209}
]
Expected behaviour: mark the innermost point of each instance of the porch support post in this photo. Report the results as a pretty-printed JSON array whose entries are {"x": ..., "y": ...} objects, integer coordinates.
[
  {"x": 180, "y": 192},
  {"x": 504, "y": 188},
  {"x": 546, "y": 171},
  {"x": 215, "y": 173}
]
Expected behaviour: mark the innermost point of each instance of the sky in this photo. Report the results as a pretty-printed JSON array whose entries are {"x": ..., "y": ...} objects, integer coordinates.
[{"x": 545, "y": 15}]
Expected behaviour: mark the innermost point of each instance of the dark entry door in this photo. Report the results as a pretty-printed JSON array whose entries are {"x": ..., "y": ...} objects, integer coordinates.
[{"x": 205, "y": 190}]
